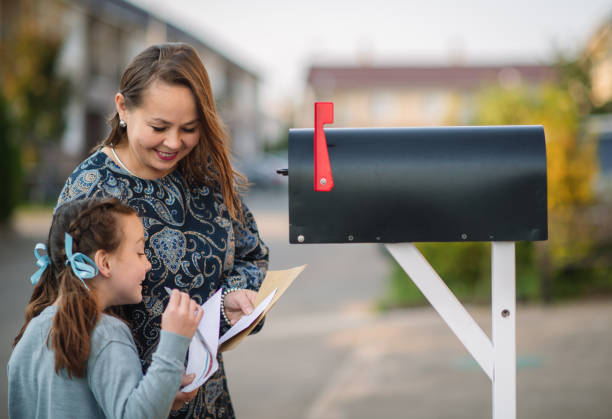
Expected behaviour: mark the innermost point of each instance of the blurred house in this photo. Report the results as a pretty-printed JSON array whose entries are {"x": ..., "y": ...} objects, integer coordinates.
[
  {"x": 599, "y": 52},
  {"x": 100, "y": 37},
  {"x": 410, "y": 95}
]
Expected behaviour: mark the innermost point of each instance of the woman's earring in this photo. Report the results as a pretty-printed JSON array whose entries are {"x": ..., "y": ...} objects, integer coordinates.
[{"x": 122, "y": 123}]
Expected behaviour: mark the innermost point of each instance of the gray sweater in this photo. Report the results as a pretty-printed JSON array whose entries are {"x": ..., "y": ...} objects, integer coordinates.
[{"x": 114, "y": 386}]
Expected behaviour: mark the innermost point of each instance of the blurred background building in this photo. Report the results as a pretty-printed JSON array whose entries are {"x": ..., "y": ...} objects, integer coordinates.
[
  {"x": 598, "y": 56},
  {"x": 97, "y": 39},
  {"x": 410, "y": 95},
  {"x": 599, "y": 52}
]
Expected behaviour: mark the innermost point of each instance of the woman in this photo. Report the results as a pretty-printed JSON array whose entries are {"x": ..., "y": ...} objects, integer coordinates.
[{"x": 167, "y": 156}]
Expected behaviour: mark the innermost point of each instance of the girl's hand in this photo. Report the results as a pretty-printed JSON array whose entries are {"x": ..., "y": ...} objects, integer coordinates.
[
  {"x": 238, "y": 303},
  {"x": 181, "y": 399},
  {"x": 182, "y": 315}
]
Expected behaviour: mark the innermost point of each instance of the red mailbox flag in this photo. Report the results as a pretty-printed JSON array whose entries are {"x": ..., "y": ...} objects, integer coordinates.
[{"x": 323, "y": 180}]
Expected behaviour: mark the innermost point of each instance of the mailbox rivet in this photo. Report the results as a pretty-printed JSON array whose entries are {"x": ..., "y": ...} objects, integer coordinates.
[
  {"x": 505, "y": 313},
  {"x": 323, "y": 181},
  {"x": 301, "y": 238},
  {"x": 464, "y": 236},
  {"x": 350, "y": 238},
  {"x": 377, "y": 238}
]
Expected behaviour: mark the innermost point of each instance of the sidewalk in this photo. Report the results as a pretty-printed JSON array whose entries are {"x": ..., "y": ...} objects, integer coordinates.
[{"x": 407, "y": 364}]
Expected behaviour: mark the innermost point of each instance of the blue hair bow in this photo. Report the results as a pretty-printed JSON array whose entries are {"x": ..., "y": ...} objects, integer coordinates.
[
  {"x": 82, "y": 265},
  {"x": 41, "y": 261}
]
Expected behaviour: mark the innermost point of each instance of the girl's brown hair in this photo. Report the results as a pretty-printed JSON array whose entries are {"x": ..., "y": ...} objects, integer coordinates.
[
  {"x": 209, "y": 162},
  {"x": 93, "y": 225}
]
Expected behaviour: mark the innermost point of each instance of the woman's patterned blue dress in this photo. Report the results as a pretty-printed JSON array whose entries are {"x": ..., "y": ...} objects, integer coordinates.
[{"x": 192, "y": 244}]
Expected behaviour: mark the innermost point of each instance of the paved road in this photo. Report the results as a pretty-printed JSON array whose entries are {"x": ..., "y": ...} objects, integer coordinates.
[
  {"x": 325, "y": 354},
  {"x": 16, "y": 266}
]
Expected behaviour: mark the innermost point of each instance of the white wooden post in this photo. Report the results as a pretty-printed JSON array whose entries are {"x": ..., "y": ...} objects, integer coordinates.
[
  {"x": 497, "y": 357},
  {"x": 503, "y": 310}
]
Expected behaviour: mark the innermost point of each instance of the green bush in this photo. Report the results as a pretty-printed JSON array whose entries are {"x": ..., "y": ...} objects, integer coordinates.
[
  {"x": 466, "y": 270},
  {"x": 36, "y": 95},
  {"x": 588, "y": 277},
  {"x": 10, "y": 164}
]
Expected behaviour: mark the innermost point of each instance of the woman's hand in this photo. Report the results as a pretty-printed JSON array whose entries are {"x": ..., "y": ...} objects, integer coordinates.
[
  {"x": 182, "y": 315},
  {"x": 181, "y": 399},
  {"x": 238, "y": 303}
]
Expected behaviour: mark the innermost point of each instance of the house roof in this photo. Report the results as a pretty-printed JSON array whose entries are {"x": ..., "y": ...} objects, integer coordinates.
[
  {"x": 446, "y": 76},
  {"x": 132, "y": 13}
]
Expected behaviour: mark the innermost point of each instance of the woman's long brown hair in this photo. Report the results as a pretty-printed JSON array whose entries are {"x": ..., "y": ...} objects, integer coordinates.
[
  {"x": 209, "y": 162},
  {"x": 93, "y": 225}
]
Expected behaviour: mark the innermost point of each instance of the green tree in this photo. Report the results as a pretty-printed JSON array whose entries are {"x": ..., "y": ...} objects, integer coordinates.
[
  {"x": 572, "y": 168},
  {"x": 35, "y": 93},
  {"x": 545, "y": 269},
  {"x": 10, "y": 167}
]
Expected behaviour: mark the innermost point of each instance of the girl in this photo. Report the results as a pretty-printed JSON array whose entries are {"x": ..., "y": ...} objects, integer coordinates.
[{"x": 70, "y": 359}]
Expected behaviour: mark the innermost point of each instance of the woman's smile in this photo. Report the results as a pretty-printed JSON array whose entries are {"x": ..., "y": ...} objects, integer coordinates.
[{"x": 165, "y": 155}]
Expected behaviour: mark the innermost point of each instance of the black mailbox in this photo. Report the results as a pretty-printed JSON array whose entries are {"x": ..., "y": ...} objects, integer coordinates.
[{"x": 421, "y": 185}]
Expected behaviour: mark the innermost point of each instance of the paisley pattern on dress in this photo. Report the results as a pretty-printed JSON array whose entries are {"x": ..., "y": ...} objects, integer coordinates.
[
  {"x": 192, "y": 244},
  {"x": 169, "y": 246}
]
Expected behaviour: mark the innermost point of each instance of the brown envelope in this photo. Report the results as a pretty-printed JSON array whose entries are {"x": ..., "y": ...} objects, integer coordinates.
[{"x": 279, "y": 280}]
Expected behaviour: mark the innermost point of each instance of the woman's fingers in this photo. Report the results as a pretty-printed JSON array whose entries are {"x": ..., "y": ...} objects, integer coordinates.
[
  {"x": 247, "y": 301},
  {"x": 245, "y": 305},
  {"x": 239, "y": 303},
  {"x": 251, "y": 296},
  {"x": 242, "y": 302}
]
